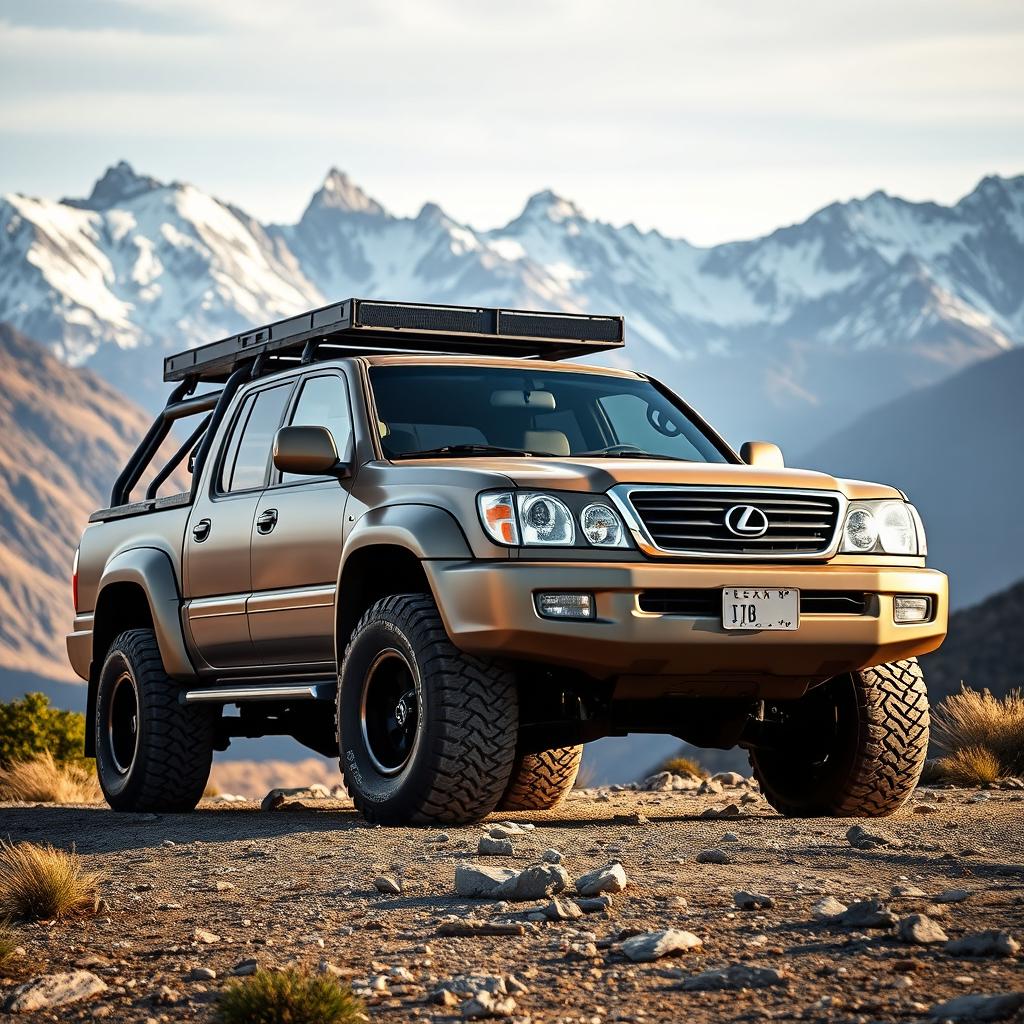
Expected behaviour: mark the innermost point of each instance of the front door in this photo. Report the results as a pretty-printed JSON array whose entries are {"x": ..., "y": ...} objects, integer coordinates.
[
  {"x": 296, "y": 543},
  {"x": 219, "y": 535}
]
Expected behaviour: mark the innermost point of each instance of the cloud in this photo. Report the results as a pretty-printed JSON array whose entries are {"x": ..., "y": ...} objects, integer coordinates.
[{"x": 637, "y": 106}]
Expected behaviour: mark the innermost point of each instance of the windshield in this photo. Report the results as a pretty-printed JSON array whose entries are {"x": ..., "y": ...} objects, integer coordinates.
[{"x": 488, "y": 410}]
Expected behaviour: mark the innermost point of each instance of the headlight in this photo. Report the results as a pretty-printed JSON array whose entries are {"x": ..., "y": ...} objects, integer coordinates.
[
  {"x": 886, "y": 527},
  {"x": 535, "y": 518},
  {"x": 602, "y": 526},
  {"x": 545, "y": 520}
]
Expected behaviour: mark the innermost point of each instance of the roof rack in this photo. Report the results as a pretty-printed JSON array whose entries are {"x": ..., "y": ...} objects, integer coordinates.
[{"x": 366, "y": 325}]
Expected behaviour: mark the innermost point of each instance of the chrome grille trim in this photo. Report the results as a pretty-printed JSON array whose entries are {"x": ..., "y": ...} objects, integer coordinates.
[{"x": 690, "y": 518}]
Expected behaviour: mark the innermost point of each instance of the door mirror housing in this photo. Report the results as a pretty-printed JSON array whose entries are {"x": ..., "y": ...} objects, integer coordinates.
[
  {"x": 762, "y": 454},
  {"x": 309, "y": 451}
]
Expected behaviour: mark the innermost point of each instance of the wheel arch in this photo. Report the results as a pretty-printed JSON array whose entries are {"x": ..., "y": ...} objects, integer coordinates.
[
  {"x": 137, "y": 590},
  {"x": 384, "y": 555}
]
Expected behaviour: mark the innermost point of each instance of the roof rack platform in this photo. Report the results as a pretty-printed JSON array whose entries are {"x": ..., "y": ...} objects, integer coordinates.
[{"x": 364, "y": 326}]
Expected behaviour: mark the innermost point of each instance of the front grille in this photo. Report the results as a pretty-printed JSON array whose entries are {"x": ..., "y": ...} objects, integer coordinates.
[
  {"x": 703, "y": 603},
  {"x": 688, "y": 520}
]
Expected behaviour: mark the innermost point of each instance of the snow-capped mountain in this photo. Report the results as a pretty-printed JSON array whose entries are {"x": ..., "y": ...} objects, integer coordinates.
[{"x": 802, "y": 329}]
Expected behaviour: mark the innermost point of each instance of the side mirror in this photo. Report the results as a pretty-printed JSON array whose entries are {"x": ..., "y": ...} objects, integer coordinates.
[
  {"x": 309, "y": 451},
  {"x": 762, "y": 454}
]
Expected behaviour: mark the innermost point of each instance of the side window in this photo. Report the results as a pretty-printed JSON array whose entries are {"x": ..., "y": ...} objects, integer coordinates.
[
  {"x": 247, "y": 456},
  {"x": 323, "y": 402}
]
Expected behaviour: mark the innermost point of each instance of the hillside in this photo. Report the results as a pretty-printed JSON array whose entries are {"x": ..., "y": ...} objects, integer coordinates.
[
  {"x": 955, "y": 448},
  {"x": 984, "y": 648},
  {"x": 66, "y": 434},
  {"x": 799, "y": 330}
]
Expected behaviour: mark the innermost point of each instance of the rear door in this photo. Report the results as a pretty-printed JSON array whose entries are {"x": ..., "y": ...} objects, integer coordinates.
[
  {"x": 219, "y": 535},
  {"x": 296, "y": 544}
]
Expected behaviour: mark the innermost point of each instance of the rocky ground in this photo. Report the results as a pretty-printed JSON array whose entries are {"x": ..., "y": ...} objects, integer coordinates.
[{"x": 619, "y": 906}]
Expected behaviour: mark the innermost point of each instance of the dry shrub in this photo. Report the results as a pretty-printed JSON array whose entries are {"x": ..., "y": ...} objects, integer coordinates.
[
  {"x": 277, "y": 997},
  {"x": 686, "y": 766},
  {"x": 970, "y": 766},
  {"x": 970, "y": 721},
  {"x": 40, "y": 779},
  {"x": 43, "y": 883}
]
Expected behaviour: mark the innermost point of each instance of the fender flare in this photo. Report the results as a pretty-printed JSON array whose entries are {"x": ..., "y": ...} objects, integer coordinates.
[
  {"x": 426, "y": 531},
  {"x": 151, "y": 569}
]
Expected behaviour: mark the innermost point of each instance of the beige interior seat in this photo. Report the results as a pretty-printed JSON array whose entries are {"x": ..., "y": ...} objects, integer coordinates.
[{"x": 552, "y": 441}]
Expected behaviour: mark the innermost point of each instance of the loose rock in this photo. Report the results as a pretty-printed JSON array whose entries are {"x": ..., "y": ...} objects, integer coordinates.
[
  {"x": 866, "y": 914},
  {"x": 729, "y": 779},
  {"x": 734, "y": 976},
  {"x": 483, "y": 1004},
  {"x": 861, "y": 839},
  {"x": 992, "y": 942},
  {"x": 713, "y": 856},
  {"x": 51, "y": 990},
  {"x": 610, "y": 878},
  {"x": 488, "y": 847},
  {"x": 388, "y": 885},
  {"x": 997, "y": 1006},
  {"x": 828, "y": 909},
  {"x": 952, "y": 896},
  {"x": 920, "y": 930},
  {"x": 752, "y": 900},
  {"x": 654, "y": 945}
]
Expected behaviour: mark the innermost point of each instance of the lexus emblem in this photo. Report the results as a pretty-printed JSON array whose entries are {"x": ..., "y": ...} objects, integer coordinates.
[{"x": 746, "y": 521}]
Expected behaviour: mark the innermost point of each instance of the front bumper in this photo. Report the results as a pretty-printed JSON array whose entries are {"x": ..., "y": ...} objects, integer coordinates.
[{"x": 488, "y": 609}]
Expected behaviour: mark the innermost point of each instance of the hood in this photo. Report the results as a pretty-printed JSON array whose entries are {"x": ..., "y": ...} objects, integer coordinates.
[{"x": 601, "y": 475}]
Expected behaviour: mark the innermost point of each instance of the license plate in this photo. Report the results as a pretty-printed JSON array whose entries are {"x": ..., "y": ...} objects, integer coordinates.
[{"x": 760, "y": 608}]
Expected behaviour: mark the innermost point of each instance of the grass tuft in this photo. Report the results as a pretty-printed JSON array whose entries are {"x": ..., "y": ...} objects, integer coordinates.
[
  {"x": 686, "y": 766},
  {"x": 971, "y": 721},
  {"x": 288, "y": 997},
  {"x": 41, "y": 779},
  {"x": 970, "y": 766},
  {"x": 41, "y": 883},
  {"x": 8, "y": 943}
]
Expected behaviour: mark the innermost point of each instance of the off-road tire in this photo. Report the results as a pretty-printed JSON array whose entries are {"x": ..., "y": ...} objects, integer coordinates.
[
  {"x": 876, "y": 748},
  {"x": 467, "y": 717},
  {"x": 170, "y": 766},
  {"x": 541, "y": 781}
]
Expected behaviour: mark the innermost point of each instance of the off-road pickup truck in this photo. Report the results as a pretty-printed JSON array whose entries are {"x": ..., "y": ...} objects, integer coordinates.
[{"x": 419, "y": 540}]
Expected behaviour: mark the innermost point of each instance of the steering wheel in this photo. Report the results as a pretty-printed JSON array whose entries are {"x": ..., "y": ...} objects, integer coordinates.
[{"x": 661, "y": 423}]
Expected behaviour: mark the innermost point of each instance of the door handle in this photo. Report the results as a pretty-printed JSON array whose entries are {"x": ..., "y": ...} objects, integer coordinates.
[
  {"x": 201, "y": 530},
  {"x": 266, "y": 521}
]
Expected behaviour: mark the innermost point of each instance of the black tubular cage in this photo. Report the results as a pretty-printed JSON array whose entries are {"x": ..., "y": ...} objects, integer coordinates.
[{"x": 352, "y": 327}]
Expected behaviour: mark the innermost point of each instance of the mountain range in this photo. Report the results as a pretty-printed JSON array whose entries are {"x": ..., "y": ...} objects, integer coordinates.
[
  {"x": 878, "y": 339},
  {"x": 789, "y": 336},
  {"x": 955, "y": 449}
]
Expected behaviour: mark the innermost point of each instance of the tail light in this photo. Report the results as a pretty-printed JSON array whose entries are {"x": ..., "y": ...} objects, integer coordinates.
[{"x": 74, "y": 580}]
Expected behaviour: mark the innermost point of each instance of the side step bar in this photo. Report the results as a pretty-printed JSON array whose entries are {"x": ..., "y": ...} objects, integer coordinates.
[{"x": 324, "y": 691}]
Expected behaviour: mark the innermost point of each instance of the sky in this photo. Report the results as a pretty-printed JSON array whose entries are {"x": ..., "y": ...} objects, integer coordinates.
[{"x": 710, "y": 121}]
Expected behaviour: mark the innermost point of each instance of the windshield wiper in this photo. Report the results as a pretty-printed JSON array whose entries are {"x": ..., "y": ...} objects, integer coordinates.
[
  {"x": 628, "y": 455},
  {"x": 464, "y": 449}
]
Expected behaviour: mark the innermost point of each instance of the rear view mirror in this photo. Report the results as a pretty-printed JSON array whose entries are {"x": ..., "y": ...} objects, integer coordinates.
[
  {"x": 533, "y": 401},
  {"x": 762, "y": 454},
  {"x": 309, "y": 451}
]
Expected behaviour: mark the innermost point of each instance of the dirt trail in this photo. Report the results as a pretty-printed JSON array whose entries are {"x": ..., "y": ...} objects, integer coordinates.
[{"x": 231, "y": 883}]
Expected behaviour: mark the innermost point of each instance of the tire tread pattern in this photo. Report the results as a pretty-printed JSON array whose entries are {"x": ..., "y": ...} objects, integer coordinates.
[
  {"x": 892, "y": 745},
  {"x": 179, "y": 749},
  {"x": 471, "y": 753},
  {"x": 541, "y": 781}
]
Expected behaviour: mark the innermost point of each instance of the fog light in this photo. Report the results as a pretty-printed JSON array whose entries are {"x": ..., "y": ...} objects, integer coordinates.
[
  {"x": 912, "y": 609},
  {"x": 565, "y": 606}
]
